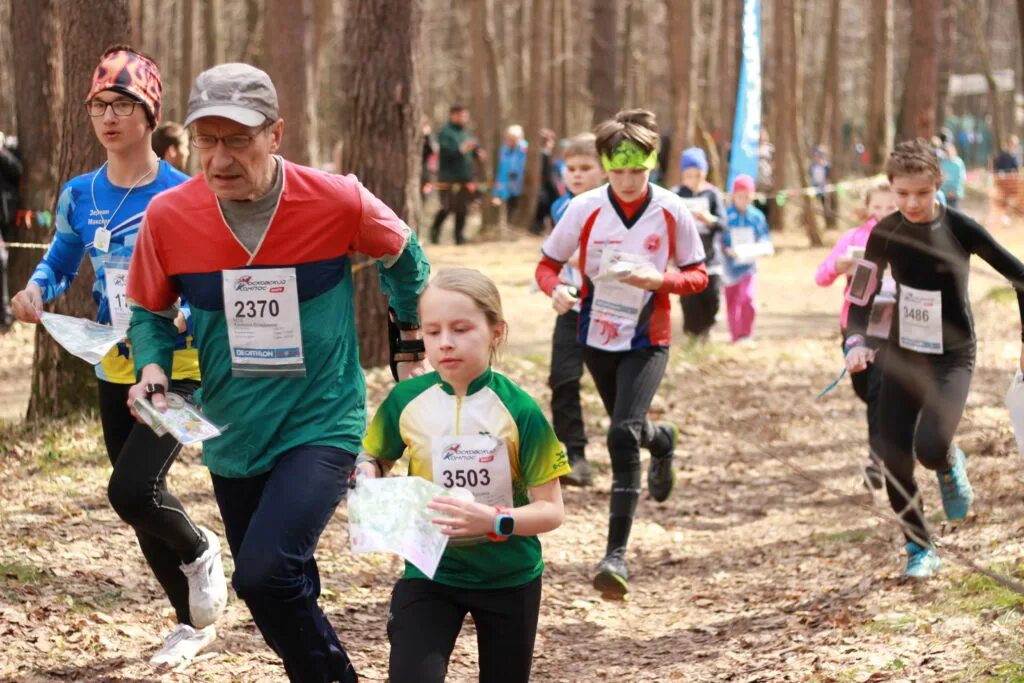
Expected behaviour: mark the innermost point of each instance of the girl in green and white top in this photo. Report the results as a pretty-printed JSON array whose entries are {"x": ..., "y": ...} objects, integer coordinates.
[{"x": 467, "y": 425}]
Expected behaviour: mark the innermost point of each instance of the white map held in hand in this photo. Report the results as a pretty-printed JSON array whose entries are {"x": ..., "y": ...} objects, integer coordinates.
[{"x": 390, "y": 515}]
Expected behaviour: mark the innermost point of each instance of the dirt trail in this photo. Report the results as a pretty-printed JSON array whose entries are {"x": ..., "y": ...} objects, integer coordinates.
[{"x": 770, "y": 562}]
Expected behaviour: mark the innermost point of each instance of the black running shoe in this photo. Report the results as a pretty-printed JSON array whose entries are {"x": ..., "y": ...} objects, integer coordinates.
[
  {"x": 612, "y": 577},
  {"x": 581, "y": 475},
  {"x": 661, "y": 475}
]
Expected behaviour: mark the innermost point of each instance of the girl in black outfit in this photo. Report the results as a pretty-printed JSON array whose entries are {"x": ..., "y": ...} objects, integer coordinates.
[{"x": 931, "y": 345}]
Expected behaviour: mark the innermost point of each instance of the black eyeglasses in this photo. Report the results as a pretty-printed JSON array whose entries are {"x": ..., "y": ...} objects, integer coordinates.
[
  {"x": 97, "y": 108},
  {"x": 236, "y": 141}
]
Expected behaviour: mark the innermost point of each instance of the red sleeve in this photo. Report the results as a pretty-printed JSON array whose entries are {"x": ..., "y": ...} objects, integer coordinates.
[
  {"x": 689, "y": 280},
  {"x": 547, "y": 274},
  {"x": 380, "y": 232},
  {"x": 149, "y": 285}
]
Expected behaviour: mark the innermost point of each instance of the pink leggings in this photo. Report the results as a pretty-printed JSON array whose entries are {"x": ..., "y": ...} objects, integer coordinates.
[{"x": 739, "y": 304}]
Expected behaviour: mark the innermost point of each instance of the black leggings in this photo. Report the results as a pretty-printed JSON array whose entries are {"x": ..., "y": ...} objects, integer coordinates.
[
  {"x": 921, "y": 401},
  {"x": 868, "y": 387},
  {"x": 564, "y": 380},
  {"x": 627, "y": 382},
  {"x": 425, "y": 619},
  {"x": 138, "y": 492},
  {"x": 700, "y": 310}
]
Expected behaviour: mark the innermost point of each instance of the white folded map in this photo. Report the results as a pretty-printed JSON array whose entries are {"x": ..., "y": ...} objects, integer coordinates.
[
  {"x": 86, "y": 339},
  {"x": 390, "y": 514}
]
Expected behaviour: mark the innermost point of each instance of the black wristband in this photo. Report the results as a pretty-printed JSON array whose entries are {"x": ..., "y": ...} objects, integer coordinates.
[
  {"x": 402, "y": 326},
  {"x": 152, "y": 389}
]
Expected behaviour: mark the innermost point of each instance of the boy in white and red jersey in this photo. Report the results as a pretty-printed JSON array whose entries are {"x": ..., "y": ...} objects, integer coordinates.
[{"x": 627, "y": 233}]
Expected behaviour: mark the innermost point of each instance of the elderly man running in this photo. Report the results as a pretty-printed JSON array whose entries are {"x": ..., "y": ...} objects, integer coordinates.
[{"x": 261, "y": 247}]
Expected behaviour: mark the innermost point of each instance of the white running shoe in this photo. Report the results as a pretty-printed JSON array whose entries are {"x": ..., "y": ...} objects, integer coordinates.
[
  {"x": 207, "y": 589},
  {"x": 182, "y": 645}
]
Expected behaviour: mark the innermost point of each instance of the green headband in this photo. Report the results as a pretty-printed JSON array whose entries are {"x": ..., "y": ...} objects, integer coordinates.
[{"x": 630, "y": 155}]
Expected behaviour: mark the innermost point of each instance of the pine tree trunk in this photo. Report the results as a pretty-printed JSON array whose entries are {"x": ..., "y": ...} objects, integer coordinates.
[
  {"x": 381, "y": 130},
  {"x": 604, "y": 54},
  {"x": 61, "y": 383},
  {"x": 879, "y": 123},
  {"x": 289, "y": 59},
  {"x": 38, "y": 106},
  {"x": 535, "y": 112},
  {"x": 682, "y": 23},
  {"x": 213, "y": 51},
  {"x": 793, "y": 126},
  {"x": 917, "y": 118},
  {"x": 186, "y": 65},
  {"x": 994, "y": 100}
]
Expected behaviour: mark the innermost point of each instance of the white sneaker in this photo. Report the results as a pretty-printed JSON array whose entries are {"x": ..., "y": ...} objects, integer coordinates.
[
  {"x": 182, "y": 645},
  {"x": 207, "y": 589}
]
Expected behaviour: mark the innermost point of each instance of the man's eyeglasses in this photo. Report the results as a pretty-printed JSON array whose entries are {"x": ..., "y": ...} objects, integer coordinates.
[
  {"x": 236, "y": 141},
  {"x": 97, "y": 108}
]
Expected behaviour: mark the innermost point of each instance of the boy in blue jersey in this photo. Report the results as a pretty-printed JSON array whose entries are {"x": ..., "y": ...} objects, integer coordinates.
[
  {"x": 583, "y": 172},
  {"x": 100, "y": 213}
]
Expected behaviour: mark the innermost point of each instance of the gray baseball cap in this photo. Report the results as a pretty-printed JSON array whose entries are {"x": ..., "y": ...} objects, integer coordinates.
[{"x": 239, "y": 92}]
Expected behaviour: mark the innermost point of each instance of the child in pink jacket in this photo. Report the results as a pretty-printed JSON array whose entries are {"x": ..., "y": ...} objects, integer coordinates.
[{"x": 878, "y": 203}]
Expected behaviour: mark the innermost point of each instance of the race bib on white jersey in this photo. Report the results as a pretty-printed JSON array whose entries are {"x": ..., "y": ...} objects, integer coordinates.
[
  {"x": 615, "y": 307},
  {"x": 478, "y": 462},
  {"x": 261, "y": 307}
]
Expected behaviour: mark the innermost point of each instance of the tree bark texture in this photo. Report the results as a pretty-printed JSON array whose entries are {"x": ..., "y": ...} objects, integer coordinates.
[
  {"x": 985, "y": 60},
  {"x": 38, "y": 80},
  {"x": 535, "y": 112},
  {"x": 682, "y": 25},
  {"x": 213, "y": 50},
  {"x": 879, "y": 121},
  {"x": 61, "y": 383},
  {"x": 793, "y": 125},
  {"x": 289, "y": 60},
  {"x": 604, "y": 54},
  {"x": 186, "y": 64},
  {"x": 381, "y": 129},
  {"x": 917, "y": 118}
]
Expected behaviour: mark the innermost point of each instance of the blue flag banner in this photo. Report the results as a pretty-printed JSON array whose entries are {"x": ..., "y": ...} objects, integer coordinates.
[{"x": 746, "y": 130}]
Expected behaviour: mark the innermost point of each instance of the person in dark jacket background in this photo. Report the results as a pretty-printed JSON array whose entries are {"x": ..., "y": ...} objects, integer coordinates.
[
  {"x": 457, "y": 149},
  {"x": 11, "y": 169}
]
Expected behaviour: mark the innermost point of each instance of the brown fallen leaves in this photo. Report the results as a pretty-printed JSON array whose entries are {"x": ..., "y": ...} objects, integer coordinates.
[{"x": 767, "y": 564}]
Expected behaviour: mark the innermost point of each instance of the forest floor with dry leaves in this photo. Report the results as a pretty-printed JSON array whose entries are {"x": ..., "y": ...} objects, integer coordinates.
[{"x": 771, "y": 561}]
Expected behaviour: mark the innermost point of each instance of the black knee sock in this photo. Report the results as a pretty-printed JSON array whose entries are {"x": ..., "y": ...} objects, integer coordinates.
[{"x": 625, "y": 494}]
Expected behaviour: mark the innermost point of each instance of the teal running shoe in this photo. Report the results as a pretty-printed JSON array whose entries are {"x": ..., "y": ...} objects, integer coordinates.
[
  {"x": 957, "y": 494},
  {"x": 922, "y": 563},
  {"x": 661, "y": 475}
]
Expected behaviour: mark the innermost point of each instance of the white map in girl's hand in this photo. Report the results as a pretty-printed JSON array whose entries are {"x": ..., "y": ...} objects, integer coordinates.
[
  {"x": 86, "y": 339},
  {"x": 390, "y": 515}
]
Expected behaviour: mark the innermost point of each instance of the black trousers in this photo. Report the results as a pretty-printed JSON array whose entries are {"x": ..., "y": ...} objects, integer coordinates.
[
  {"x": 454, "y": 201},
  {"x": 627, "y": 382},
  {"x": 699, "y": 310},
  {"x": 138, "y": 491},
  {"x": 425, "y": 619},
  {"x": 921, "y": 402},
  {"x": 273, "y": 522},
  {"x": 564, "y": 380},
  {"x": 868, "y": 387}
]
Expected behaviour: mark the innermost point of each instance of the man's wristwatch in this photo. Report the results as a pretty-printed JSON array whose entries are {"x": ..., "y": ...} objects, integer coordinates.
[{"x": 504, "y": 525}]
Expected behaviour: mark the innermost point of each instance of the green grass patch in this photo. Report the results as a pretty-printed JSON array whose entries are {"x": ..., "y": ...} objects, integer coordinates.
[
  {"x": 1002, "y": 295},
  {"x": 14, "y": 573},
  {"x": 976, "y": 592},
  {"x": 889, "y": 624},
  {"x": 845, "y": 537}
]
